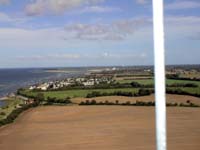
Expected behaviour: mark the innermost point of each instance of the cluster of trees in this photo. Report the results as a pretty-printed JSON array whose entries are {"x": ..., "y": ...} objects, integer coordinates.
[
  {"x": 39, "y": 98},
  {"x": 188, "y": 105},
  {"x": 15, "y": 113},
  {"x": 2, "y": 113},
  {"x": 128, "y": 103},
  {"x": 141, "y": 92},
  {"x": 138, "y": 85},
  {"x": 22, "y": 92},
  {"x": 182, "y": 85},
  {"x": 137, "y": 103},
  {"x": 54, "y": 100}
]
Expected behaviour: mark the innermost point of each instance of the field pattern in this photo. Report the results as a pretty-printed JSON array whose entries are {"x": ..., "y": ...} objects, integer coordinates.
[{"x": 99, "y": 128}]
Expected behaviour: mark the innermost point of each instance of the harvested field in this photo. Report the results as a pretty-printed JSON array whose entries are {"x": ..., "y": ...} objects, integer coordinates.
[
  {"x": 99, "y": 128},
  {"x": 122, "y": 99}
]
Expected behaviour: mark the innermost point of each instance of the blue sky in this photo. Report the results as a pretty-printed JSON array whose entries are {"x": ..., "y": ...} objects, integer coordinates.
[{"x": 50, "y": 33}]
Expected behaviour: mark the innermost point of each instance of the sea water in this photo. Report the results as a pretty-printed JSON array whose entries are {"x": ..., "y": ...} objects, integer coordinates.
[{"x": 13, "y": 79}]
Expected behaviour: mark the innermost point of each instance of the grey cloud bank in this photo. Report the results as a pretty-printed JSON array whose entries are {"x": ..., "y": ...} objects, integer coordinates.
[{"x": 4, "y": 2}]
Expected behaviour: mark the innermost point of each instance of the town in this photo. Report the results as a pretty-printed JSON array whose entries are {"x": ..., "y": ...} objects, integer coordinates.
[{"x": 70, "y": 82}]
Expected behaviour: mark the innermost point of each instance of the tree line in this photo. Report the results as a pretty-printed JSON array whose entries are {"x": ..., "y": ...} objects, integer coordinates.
[
  {"x": 15, "y": 113},
  {"x": 141, "y": 92},
  {"x": 177, "y": 77},
  {"x": 137, "y": 103}
]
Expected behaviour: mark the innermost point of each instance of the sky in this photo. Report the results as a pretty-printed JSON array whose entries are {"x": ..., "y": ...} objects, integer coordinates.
[{"x": 68, "y": 33}]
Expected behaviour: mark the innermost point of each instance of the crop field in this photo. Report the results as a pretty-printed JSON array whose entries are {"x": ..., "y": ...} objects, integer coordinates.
[
  {"x": 99, "y": 128},
  {"x": 170, "y": 98},
  {"x": 188, "y": 89},
  {"x": 192, "y": 90},
  {"x": 191, "y": 75},
  {"x": 78, "y": 93},
  {"x": 170, "y": 81},
  {"x": 151, "y": 81}
]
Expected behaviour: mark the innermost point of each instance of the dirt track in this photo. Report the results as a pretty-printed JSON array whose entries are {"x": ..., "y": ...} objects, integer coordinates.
[{"x": 99, "y": 128}]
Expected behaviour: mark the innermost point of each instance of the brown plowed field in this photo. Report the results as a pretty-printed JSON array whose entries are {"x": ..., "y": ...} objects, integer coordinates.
[
  {"x": 99, "y": 128},
  {"x": 170, "y": 99}
]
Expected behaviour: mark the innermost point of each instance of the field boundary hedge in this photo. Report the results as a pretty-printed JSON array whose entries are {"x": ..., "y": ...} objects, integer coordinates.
[
  {"x": 137, "y": 103},
  {"x": 15, "y": 113}
]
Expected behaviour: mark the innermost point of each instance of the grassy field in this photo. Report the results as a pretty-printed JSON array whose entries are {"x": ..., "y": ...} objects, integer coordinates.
[
  {"x": 83, "y": 92},
  {"x": 170, "y": 82},
  {"x": 143, "y": 81},
  {"x": 10, "y": 106},
  {"x": 189, "y": 90},
  {"x": 190, "y": 75},
  {"x": 151, "y": 81},
  {"x": 78, "y": 93}
]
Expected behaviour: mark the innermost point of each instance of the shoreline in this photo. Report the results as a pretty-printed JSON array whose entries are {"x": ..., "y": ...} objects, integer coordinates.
[{"x": 3, "y": 98}]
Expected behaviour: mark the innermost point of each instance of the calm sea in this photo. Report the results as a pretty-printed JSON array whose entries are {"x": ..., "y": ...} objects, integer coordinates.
[{"x": 12, "y": 79}]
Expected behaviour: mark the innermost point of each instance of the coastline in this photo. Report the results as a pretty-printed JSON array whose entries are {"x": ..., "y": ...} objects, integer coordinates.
[{"x": 3, "y": 98}]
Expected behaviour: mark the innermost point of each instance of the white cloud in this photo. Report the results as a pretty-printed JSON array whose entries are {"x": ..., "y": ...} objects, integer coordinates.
[
  {"x": 182, "y": 5},
  {"x": 183, "y": 21},
  {"x": 182, "y": 27},
  {"x": 39, "y": 7},
  {"x": 14, "y": 38},
  {"x": 88, "y": 35},
  {"x": 92, "y": 32},
  {"x": 5, "y": 18},
  {"x": 142, "y": 2},
  {"x": 99, "y": 9},
  {"x": 118, "y": 30},
  {"x": 4, "y": 2}
]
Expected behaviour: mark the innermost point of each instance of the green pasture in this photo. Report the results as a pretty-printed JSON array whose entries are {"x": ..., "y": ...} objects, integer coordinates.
[
  {"x": 189, "y": 90},
  {"x": 151, "y": 81},
  {"x": 77, "y": 93},
  {"x": 169, "y": 82},
  {"x": 83, "y": 92}
]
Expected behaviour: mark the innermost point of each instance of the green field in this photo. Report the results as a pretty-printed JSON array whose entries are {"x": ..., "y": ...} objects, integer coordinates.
[
  {"x": 190, "y": 75},
  {"x": 191, "y": 90},
  {"x": 83, "y": 92},
  {"x": 12, "y": 103},
  {"x": 77, "y": 93},
  {"x": 141, "y": 81},
  {"x": 168, "y": 81}
]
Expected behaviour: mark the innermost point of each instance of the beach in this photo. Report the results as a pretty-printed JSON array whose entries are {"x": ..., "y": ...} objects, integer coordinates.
[{"x": 99, "y": 128}]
